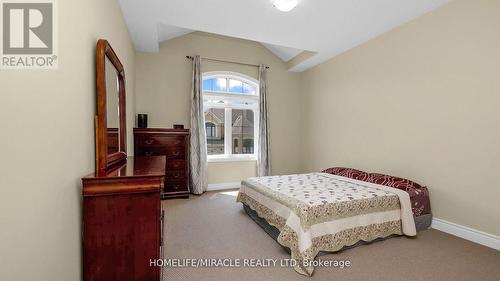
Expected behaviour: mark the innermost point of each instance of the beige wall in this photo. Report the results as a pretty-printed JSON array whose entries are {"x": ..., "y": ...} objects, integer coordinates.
[
  {"x": 47, "y": 145},
  {"x": 230, "y": 172},
  {"x": 164, "y": 84},
  {"x": 422, "y": 102}
]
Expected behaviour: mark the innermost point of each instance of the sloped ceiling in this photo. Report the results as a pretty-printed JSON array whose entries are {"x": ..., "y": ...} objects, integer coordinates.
[
  {"x": 167, "y": 32},
  {"x": 327, "y": 27},
  {"x": 284, "y": 53}
]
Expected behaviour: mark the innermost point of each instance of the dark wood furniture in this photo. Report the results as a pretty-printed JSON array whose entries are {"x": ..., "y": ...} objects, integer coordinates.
[
  {"x": 122, "y": 218},
  {"x": 174, "y": 144},
  {"x": 109, "y": 71},
  {"x": 113, "y": 139},
  {"x": 123, "y": 221}
]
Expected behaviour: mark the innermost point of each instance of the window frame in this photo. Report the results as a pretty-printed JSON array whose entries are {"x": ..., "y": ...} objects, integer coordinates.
[{"x": 228, "y": 97}]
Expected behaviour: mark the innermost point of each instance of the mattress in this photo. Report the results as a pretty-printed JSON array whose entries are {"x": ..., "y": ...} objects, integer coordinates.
[{"x": 322, "y": 212}]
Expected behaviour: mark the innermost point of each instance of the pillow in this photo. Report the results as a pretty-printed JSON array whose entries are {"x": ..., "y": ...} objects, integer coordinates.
[
  {"x": 419, "y": 195},
  {"x": 347, "y": 172},
  {"x": 399, "y": 183}
]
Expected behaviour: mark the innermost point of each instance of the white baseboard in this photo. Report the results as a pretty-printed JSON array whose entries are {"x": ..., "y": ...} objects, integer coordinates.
[
  {"x": 223, "y": 186},
  {"x": 474, "y": 235}
]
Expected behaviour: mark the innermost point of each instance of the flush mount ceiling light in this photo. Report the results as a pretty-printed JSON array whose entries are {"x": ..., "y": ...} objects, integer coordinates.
[{"x": 285, "y": 5}]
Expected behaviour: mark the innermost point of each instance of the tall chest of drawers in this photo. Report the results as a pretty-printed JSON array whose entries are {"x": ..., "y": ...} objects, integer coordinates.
[{"x": 174, "y": 144}]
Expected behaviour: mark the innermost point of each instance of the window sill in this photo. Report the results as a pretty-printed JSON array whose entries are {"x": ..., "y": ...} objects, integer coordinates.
[{"x": 230, "y": 159}]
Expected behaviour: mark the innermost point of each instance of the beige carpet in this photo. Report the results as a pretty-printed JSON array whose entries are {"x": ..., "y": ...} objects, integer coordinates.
[{"x": 215, "y": 226}]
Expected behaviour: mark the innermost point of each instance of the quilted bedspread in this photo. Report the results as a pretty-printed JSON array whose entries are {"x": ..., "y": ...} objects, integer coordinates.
[{"x": 323, "y": 212}]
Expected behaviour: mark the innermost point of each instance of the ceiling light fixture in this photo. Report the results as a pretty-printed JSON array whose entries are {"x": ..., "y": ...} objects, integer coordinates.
[{"x": 285, "y": 5}]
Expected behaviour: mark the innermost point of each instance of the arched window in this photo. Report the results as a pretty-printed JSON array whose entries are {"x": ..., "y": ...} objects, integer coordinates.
[
  {"x": 210, "y": 127},
  {"x": 231, "y": 105},
  {"x": 235, "y": 146}
]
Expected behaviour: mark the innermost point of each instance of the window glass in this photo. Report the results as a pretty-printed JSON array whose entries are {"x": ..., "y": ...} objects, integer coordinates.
[
  {"x": 208, "y": 84},
  {"x": 228, "y": 85},
  {"x": 210, "y": 128},
  {"x": 242, "y": 130},
  {"x": 232, "y": 96},
  {"x": 235, "y": 86},
  {"x": 236, "y": 146},
  {"x": 248, "y": 89},
  {"x": 214, "y": 125},
  {"x": 248, "y": 147},
  {"x": 220, "y": 84}
]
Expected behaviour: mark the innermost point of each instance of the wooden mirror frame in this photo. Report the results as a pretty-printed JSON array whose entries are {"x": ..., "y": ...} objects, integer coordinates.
[{"x": 105, "y": 162}]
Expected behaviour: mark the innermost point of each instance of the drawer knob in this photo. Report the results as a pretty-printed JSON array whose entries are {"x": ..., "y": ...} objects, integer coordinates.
[
  {"x": 149, "y": 141},
  {"x": 176, "y": 187},
  {"x": 149, "y": 153}
]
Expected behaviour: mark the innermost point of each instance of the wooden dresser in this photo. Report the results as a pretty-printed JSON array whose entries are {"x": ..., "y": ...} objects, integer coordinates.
[
  {"x": 174, "y": 144},
  {"x": 123, "y": 221}
]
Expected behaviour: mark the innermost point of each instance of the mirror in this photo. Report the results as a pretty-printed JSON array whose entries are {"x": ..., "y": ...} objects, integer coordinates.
[
  {"x": 110, "y": 123},
  {"x": 112, "y": 108}
]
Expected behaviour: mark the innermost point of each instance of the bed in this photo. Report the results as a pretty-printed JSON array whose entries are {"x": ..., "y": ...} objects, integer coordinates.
[{"x": 324, "y": 212}]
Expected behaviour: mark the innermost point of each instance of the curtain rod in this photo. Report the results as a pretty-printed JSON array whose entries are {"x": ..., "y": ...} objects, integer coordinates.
[{"x": 227, "y": 61}]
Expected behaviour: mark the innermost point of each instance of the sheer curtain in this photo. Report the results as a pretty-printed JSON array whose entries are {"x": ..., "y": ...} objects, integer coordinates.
[
  {"x": 263, "y": 159},
  {"x": 198, "y": 177}
]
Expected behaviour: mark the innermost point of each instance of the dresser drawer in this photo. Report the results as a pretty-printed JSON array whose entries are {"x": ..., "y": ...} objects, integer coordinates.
[
  {"x": 148, "y": 140},
  {"x": 175, "y": 152},
  {"x": 150, "y": 151},
  {"x": 172, "y": 152},
  {"x": 172, "y": 175},
  {"x": 176, "y": 164},
  {"x": 176, "y": 185}
]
